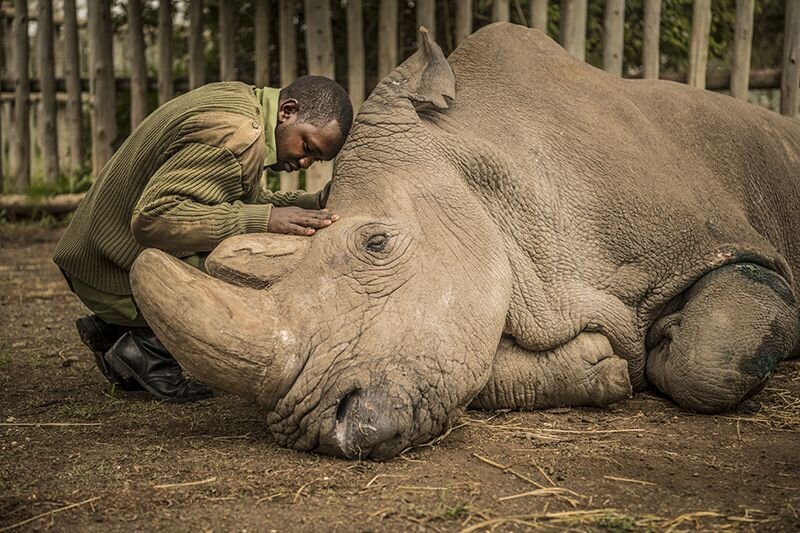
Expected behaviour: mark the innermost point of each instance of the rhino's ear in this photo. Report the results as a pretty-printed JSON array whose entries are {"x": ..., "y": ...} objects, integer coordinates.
[{"x": 426, "y": 77}]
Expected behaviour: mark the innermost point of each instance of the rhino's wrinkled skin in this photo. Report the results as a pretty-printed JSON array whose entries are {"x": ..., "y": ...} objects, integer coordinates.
[{"x": 518, "y": 230}]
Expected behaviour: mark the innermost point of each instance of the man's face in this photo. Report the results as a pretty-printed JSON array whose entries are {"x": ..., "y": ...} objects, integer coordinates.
[{"x": 299, "y": 144}]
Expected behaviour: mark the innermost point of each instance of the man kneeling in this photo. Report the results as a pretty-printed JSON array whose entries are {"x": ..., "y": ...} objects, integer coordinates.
[{"x": 187, "y": 178}]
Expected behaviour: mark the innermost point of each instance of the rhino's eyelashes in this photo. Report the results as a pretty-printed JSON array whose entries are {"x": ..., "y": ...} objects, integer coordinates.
[{"x": 376, "y": 243}]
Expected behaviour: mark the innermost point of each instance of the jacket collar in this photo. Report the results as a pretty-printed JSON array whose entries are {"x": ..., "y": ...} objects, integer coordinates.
[{"x": 269, "y": 99}]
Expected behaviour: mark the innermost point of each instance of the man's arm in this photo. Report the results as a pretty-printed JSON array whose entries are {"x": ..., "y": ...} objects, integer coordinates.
[
  {"x": 192, "y": 202},
  {"x": 306, "y": 200}
]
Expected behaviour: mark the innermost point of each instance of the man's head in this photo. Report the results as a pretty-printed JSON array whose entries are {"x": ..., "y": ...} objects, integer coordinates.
[{"x": 314, "y": 118}]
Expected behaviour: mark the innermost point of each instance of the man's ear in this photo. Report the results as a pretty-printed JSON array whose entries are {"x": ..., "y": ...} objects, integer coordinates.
[
  {"x": 425, "y": 77},
  {"x": 287, "y": 109}
]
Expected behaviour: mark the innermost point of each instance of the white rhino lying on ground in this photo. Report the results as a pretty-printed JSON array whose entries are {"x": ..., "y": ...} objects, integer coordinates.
[{"x": 518, "y": 230}]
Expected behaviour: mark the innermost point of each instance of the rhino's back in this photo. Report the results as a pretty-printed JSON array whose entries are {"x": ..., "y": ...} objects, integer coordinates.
[{"x": 634, "y": 187}]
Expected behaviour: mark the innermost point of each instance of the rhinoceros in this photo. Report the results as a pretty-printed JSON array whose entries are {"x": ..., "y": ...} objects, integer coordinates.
[{"x": 518, "y": 230}]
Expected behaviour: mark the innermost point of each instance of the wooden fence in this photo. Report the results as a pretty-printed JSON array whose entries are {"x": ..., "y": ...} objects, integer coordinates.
[{"x": 68, "y": 80}]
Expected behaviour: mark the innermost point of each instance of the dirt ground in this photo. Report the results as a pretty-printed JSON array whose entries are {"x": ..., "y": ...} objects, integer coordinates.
[{"x": 76, "y": 456}]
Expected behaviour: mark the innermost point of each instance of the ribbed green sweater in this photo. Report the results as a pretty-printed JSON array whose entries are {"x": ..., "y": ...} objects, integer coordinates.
[{"x": 187, "y": 178}]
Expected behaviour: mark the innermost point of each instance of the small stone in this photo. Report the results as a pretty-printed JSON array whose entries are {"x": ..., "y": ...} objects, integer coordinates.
[{"x": 69, "y": 360}]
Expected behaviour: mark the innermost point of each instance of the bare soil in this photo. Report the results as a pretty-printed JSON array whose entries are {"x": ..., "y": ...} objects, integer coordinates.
[{"x": 76, "y": 456}]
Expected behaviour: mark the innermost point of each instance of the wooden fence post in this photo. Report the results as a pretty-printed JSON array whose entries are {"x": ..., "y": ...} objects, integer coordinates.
[
  {"x": 651, "y": 61},
  {"x": 138, "y": 65},
  {"x": 261, "y": 29},
  {"x": 319, "y": 48},
  {"x": 790, "y": 77},
  {"x": 463, "y": 20},
  {"x": 426, "y": 16},
  {"x": 3, "y": 69},
  {"x": 539, "y": 15},
  {"x": 742, "y": 44},
  {"x": 165, "y": 83},
  {"x": 614, "y": 36},
  {"x": 387, "y": 37},
  {"x": 47, "y": 88},
  {"x": 197, "y": 61},
  {"x": 21, "y": 171},
  {"x": 72, "y": 73},
  {"x": 104, "y": 129},
  {"x": 573, "y": 27},
  {"x": 227, "y": 57},
  {"x": 355, "y": 53},
  {"x": 500, "y": 11},
  {"x": 288, "y": 51},
  {"x": 698, "y": 50}
]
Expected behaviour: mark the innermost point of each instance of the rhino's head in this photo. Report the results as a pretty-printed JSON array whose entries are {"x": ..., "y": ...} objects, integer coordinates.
[{"x": 370, "y": 336}]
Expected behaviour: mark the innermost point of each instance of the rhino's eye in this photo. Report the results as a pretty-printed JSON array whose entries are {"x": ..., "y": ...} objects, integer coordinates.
[{"x": 376, "y": 243}]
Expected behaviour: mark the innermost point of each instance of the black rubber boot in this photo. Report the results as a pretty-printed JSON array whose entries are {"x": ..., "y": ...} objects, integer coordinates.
[
  {"x": 140, "y": 356},
  {"x": 98, "y": 335}
]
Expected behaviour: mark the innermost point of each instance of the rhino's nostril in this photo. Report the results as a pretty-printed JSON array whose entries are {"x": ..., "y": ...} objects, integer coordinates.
[{"x": 346, "y": 404}]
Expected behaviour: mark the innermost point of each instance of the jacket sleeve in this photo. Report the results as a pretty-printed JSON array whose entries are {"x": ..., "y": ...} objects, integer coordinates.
[
  {"x": 306, "y": 200},
  {"x": 192, "y": 202}
]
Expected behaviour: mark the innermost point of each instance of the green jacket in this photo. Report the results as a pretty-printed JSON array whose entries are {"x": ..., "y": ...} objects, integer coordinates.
[{"x": 187, "y": 178}]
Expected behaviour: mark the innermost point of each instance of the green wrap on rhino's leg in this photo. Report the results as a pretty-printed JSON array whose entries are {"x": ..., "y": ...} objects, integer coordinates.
[
  {"x": 583, "y": 371},
  {"x": 733, "y": 327}
]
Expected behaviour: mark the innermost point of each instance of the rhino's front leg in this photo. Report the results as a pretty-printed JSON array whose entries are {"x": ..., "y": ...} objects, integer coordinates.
[
  {"x": 735, "y": 324},
  {"x": 584, "y": 371}
]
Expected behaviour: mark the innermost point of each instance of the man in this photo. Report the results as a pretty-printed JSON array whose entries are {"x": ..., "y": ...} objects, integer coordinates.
[{"x": 187, "y": 178}]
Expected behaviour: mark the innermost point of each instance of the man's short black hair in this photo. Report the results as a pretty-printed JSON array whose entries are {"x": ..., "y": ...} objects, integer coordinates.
[{"x": 319, "y": 101}]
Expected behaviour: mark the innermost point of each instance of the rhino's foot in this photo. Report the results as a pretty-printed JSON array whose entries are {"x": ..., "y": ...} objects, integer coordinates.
[
  {"x": 736, "y": 323},
  {"x": 584, "y": 371}
]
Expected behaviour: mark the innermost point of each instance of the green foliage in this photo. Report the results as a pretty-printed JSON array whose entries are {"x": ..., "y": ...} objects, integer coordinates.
[
  {"x": 66, "y": 183},
  {"x": 614, "y": 523}
]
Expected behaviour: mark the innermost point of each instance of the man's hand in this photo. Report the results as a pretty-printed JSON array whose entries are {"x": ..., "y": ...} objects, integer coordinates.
[{"x": 298, "y": 221}]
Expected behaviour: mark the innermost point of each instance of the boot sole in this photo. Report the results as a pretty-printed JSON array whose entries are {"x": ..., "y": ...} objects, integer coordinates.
[{"x": 126, "y": 373}]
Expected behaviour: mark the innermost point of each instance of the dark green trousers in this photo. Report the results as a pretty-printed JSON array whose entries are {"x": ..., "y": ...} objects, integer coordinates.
[{"x": 119, "y": 309}]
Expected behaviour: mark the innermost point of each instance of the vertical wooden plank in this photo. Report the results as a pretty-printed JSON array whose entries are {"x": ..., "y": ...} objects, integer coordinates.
[
  {"x": 101, "y": 78},
  {"x": 698, "y": 49},
  {"x": 652, "y": 31},
  {"x": 501, "y": 11},
  {"x": 61, "y": 111},
  {"x": 47, "y": 81},
  {"x": 72, "y": 75},
  {"x": 319, "y": 49},
  {"x": 426, "y": 16},
  {"x": 288, "y": 42},
  {"x": 538, "y": 16},
  {"x": 3, "y": 74},
  {"x": 137, "y": 62},
  {"x": 742, "y": 44},
  {"x": 261, "y": 28},
  {"x": 463, "y": 20},
  {"x": 227, "y": 57},
  {"x": 355, "y": 53},
  {"x": 288, "y": 53},
  {"x": 573, "y": 27},
  {"x": 21, "y": 171},
  {"x": 197, "y": 60},
  {"x": 387, "y": 37},
  {"x": 790, "y": 77},
  {"x": 165, "y": 83},
  {"x": 613, "y": 36}
]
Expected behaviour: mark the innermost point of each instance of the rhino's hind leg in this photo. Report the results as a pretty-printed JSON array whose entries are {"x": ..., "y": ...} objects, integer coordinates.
[
  {"x": 584, "y": 371},
  {"x": 736, "y": 323}
]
